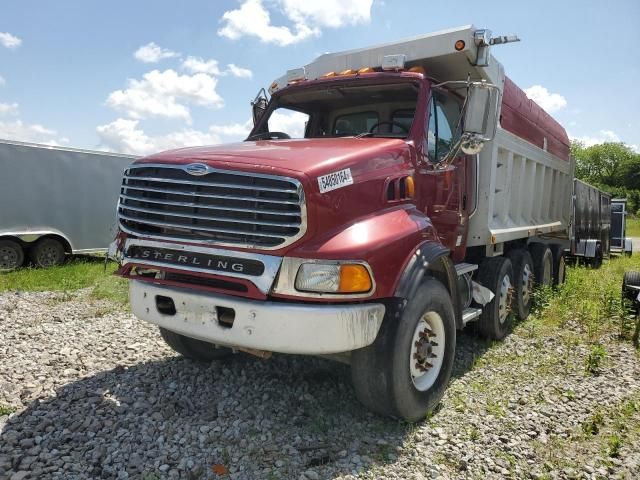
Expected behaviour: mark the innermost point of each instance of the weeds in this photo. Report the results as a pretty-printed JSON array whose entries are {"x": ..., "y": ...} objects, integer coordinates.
[
  {"x": 614, "y": 444},
  {"x": 6, "y": 410},
  {"x": 594, "y": 423},
  {"x": 595, "y": 358}
]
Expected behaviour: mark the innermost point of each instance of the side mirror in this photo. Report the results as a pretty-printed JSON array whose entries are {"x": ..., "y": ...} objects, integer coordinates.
[
  {"x": 480, "y": 116},
  {"x": 259, "y": 106}
]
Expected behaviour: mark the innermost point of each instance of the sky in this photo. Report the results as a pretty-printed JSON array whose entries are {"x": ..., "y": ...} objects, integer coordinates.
[{"x": 142, "y": 76}]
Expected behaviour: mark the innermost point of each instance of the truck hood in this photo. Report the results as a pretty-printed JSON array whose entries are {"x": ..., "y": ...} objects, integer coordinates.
[{"x": 309, "y": 156}]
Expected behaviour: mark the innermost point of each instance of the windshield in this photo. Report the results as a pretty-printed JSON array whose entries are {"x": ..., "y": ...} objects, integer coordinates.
[{"x": 341, "y": 110}]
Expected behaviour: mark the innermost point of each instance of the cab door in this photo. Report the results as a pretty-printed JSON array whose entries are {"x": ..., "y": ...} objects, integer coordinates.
[{"x": 442, "y": 183}]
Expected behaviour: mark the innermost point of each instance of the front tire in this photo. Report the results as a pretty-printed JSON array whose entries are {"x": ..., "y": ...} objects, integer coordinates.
[
  {"x": 405, "y": 372},
  {"x": 192, "y": 348}
]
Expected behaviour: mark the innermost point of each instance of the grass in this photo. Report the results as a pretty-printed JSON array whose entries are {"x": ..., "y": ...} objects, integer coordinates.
[
  {"x": 77, "y": 273},
  {"x": 633, "y": 226},
  {"x": 6, "y": 410}
]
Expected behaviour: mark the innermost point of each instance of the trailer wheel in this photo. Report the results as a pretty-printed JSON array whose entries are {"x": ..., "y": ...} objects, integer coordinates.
[
  {"x": 559, "y": 264},
  {"x": 405, "y": 372},
  {"x": 192, "y": 348},
  {"x": 11, "y": 255},
  {"x": 542, "y": 263},
  {"x": 523, "y": 281},
  {"x": 497, "y": 275},
  {"x": 47, "y": 252}
]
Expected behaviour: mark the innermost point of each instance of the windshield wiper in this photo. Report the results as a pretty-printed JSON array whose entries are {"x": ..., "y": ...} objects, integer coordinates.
[{"x": 364, "y": 134}]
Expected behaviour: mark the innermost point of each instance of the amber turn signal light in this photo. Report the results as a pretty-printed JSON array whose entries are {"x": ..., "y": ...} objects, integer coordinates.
[
  {"x": 354, "y": 278},
  {"x": 459, "y": 45}
]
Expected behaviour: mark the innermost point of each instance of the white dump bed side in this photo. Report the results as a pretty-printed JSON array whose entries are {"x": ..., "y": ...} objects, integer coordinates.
[
  {"x": 523, "y": 191},
  {"x": 435, "y": 52}
]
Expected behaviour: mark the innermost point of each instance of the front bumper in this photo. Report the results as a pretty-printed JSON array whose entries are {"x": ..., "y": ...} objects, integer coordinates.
[{"x": 277, "y": 327}]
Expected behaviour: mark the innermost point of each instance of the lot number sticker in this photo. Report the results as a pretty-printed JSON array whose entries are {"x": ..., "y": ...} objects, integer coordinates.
[{"x": 335, "y": 180}]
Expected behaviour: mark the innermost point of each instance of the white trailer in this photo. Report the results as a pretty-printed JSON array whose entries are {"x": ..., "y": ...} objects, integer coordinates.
[{"x": 56, "y": 201}]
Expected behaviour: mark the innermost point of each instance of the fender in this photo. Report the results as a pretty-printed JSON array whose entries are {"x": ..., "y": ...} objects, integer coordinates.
[{"x": 430, "y": 259}]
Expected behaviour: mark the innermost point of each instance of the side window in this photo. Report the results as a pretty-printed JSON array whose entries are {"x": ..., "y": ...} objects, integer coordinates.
[
  {"x": 354, "y": 123},
  {"x": 431, "y": 133},
  {"x": 441, "y": 132},
  {"x": 288, "y": 121},
  {"x": 404, "y": 118}
]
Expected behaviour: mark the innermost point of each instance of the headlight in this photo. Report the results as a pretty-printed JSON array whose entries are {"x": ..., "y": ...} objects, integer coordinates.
[{"x": 333, "y": 278}]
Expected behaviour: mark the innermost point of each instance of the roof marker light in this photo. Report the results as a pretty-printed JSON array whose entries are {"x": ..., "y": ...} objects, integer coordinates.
[
  {"x": 329, "y": 74},
  {"x": 417, "y": 70},
  {"x": 349, "y": 71},
  {"x": 366, "y": 70},
  {"x": 393, "y": 62}
]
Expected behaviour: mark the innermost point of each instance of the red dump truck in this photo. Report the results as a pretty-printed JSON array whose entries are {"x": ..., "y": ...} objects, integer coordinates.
[{"x": 385, "y": 198}]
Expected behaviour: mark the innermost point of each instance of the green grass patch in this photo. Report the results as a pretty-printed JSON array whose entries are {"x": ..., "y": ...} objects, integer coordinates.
[
  {"x": 633, "y": 226},
  {"x": 6, "y": 410},
  {"x": 77, "y": 273}
]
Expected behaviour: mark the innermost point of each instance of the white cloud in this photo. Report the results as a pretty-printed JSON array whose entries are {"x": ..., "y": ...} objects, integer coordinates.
[
  {"x": 551, "y": 102},
  {"x": 165, "y": 94},
  {"x": 23, "y": 132},
  {"x": 239, "y": 72},
  {"x": 9, "y": 41},
  {"x": 199, "y": 65},
  {"x": 291, "y": 122},
  {"x": 601, "y": 137},
  {"x": 8, "y": 108},
  {"x": 308, "y": 19},
  {"x": 125, "y": 136},
  {"x": 153, "y": 53}
]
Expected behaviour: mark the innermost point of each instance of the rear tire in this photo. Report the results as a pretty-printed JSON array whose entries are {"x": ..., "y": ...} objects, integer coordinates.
[
  {"x": 397, "y": 374},
  {"x": 192, "y": 348},
  {"x": 596, "y": 261},
  {"x": 542, "y": 264},
  {"x": 47, "y": 252},
  {"x": 559, "y": 265},
  {"x": 522, "y": 265},
  {"x": 630, "y": 279},
  {"x": 11, "y": 255},
  {"x": 497, "y": 275}
]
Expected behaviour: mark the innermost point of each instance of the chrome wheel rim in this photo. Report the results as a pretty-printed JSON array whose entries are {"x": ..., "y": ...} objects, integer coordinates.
[
  {"x": 427, "y": 351},
  {"x": 527, "y": 283},
  {"x": 504, "y": 303}
]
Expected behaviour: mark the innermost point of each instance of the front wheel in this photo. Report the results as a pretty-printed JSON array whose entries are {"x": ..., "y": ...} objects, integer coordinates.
[{"x": 405, "y": 372}]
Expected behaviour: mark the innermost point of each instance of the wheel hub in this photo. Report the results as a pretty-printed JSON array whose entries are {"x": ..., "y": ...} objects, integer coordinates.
[
  {"x": 427, "y": 351},
  {"x": 506, "y": 295}
]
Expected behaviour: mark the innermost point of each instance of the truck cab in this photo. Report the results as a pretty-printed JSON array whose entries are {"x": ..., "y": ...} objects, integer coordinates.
[{"x": 351, "y": 223}]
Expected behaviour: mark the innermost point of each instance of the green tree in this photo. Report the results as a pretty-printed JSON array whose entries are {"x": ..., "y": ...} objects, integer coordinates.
[{"x": 613, "y": 164}]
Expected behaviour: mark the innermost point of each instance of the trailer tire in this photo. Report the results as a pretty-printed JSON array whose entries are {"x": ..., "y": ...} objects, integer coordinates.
[
  {"x": 542, "y": 264},
  {"x": 522, "y": 265},
  {"x": 384, "y": 375},
  {"x": 559, "y": 264},
  {"x": 47, "y": 252},
  {"x": 192, "y": 348},
  {"x": 11, "y": 255},
  {"x": 497, "y": 275}
]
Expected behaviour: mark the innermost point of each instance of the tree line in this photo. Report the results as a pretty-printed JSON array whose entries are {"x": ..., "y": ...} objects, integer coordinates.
[{"x": 612, "y": 167}]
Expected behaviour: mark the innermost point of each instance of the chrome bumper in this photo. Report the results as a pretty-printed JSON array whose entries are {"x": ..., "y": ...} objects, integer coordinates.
[{"x": 277, "y": 327}]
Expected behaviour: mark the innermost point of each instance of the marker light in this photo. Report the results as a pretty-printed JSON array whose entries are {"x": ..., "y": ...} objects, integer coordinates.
[
  {"x": 333, "y": 278},
  {"x": 349, "y": 71},
  {"x": 459, "y": 45},
  {"x": 329, "y": 74},
  {"x": 417, "y": 70},
  {"x": 366, "y": 70},
  {"x": 411, "y": 187}
]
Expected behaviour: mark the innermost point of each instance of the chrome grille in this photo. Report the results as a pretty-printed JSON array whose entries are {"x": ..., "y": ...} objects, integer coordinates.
[{"x": 222, "y": 207}]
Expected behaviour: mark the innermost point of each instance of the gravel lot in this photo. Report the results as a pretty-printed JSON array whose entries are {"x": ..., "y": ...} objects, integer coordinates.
[{"x": 97, "y": 394}]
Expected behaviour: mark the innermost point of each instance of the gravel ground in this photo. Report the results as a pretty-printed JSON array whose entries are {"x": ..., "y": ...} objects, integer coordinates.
[{"x": 97, "y": 394}]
